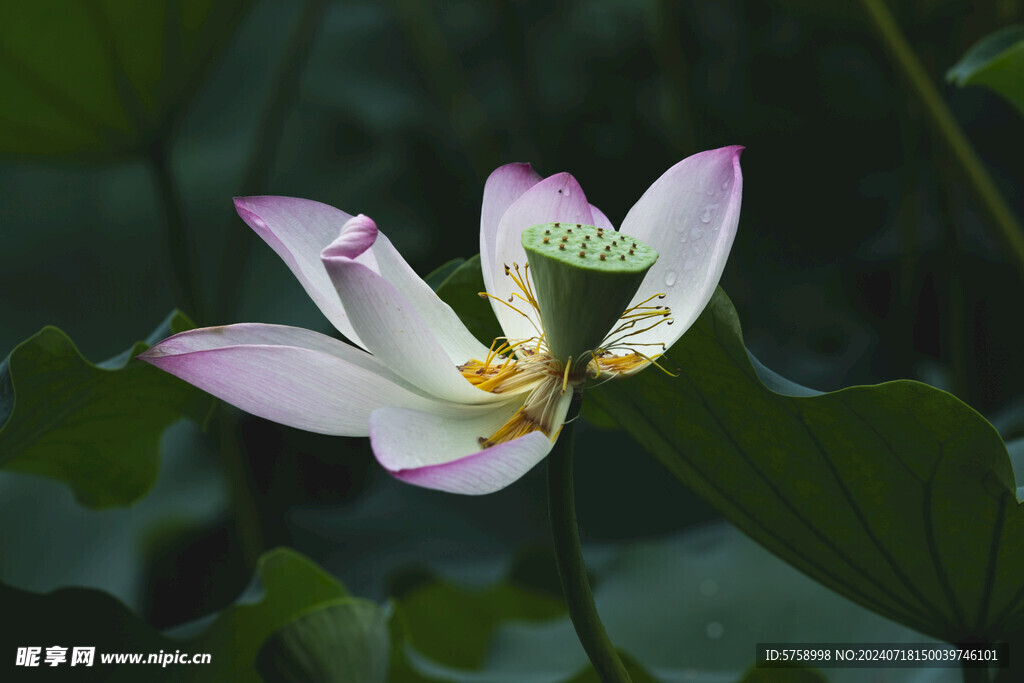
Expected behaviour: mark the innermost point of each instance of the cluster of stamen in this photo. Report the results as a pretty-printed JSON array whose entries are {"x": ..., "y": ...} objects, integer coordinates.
[{"x": 526, "y": 365}]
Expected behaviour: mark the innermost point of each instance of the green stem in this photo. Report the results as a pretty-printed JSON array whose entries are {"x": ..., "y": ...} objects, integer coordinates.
[
  {"x": 571, "y": 569},
  {"x": 178, "y": 240},
  {"x": 244, "y": 509},
  {"x": 942, "y": 118},
  {"x": 284, "y": 87}
]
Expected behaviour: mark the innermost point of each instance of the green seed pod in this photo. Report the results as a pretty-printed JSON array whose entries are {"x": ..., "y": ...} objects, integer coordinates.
[{"x": 584, "y": 278}]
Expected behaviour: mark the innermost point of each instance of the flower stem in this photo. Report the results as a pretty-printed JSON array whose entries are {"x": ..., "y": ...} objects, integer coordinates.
[
  {"x": 569, "y": 556},
  {"x": 284, "y": 90},
  {"x": 178, "y": 240},
  {"x": 1007, "y": 227}
]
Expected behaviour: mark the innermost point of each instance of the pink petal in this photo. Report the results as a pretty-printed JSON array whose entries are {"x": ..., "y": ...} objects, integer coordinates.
[
  {"x": 298, "y": 230},
  {"x": 689, "y": 215},
  {"x": 600, "y": 220},
  {"x": 505, "y": 185},
  {"x": 357, "y": 235},
  {"x": 289, "y": 375},
  {"x": 556, "y": 198}
]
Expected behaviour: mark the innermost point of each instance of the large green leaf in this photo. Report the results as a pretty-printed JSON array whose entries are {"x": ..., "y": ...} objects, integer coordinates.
[
  {"x": 898, "y": 496},
  {"x": 288, "y": 585},
  {"x": 102, "y": 76},
  {"x": 996, "y": 62},
  {"x": 334, "y": 643},
  {"x": 96, "y": 427}
]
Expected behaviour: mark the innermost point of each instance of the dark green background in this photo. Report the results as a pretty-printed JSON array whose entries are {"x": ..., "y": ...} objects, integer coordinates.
[{"x": 861, "y": 256}]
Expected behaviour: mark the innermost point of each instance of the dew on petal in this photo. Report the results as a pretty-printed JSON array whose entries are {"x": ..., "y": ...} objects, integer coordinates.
[
  {"x": 670, "y": 278},
  {"x": 725, "y": 184},
  {"x": 708, "y": 213}
]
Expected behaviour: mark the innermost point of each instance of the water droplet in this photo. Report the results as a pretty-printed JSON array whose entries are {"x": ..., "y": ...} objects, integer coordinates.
[
  {"x": 670, "y": 278},
  {"x": 725, "y": 185},
  {"x": 682, "y": 240},
  {"x": 708, "y": 213},
  {"x": 696, "y": 232},
  {"x": 680, "y": 226},
  {"x": 715, "y": 629},
  {"x": 711, "y": 191}
]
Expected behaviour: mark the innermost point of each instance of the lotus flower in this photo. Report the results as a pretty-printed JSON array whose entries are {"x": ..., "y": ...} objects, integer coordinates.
[{"x": 442, "y": 410}]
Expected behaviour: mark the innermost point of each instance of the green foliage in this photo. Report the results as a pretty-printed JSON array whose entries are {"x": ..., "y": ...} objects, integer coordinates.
[
  {"x": 688, "y": 607},
  {"x": 103, "y": 78},
  {"x": 996, "y": 62},
  {"x": 469, "y": 619},
  {"x": 96, "y": 427},
  {"x": 335, "y": 643},
  {"x": 898, "y": 496},
  {"x": 289, "y": 586}
]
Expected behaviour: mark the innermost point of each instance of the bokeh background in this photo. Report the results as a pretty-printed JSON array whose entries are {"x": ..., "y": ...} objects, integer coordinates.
[{"x": 862, "y": 254}]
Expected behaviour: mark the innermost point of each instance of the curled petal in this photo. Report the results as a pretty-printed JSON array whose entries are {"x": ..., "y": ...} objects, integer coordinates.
[
  {"x": 357, "y": 235},
  {"x": 689, "y": 215},
  {"x": 298, "y": 230},
  {"x": 289, "y": 375},
  {"x": 443, "y": 453},
  {"x": 505, "y": 185},
  {"x": 556, "y": 198},
  {"x": 398, "y": 335}
]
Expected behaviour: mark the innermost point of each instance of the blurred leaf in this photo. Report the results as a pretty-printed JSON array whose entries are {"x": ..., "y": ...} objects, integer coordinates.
[
  {"x": 996, "y": 62},
  {"x": 454, "y": 626},
  {"x": 96, "y": 427},
  {"x": 290, "y": 585},
  {"x": 898, "y": 496},
  {"x": 103, "y": 77},
  {"x": 686, "y": 608},
  {"x": 461, "y": 290},
  {"x": 441, "y": 273},
  {"x": 336, "y": 643}
]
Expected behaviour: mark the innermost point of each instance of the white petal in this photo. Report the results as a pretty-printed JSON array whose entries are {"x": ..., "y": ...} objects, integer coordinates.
[
  {"x": 689, "y": 216},
  {"x": 397, "y": 335},
  {"x": 289, "y": 375},
  {"x": 458, "y": 342}
]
